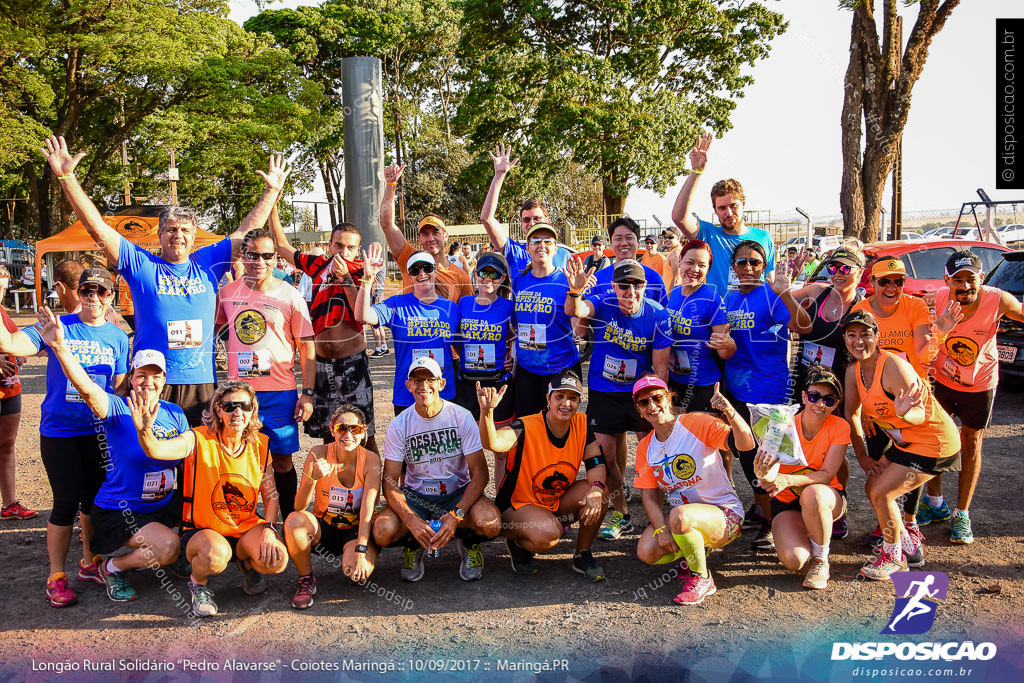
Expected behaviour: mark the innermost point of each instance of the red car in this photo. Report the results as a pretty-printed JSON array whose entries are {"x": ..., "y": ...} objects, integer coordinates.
[{"x": 926, "y": 261}]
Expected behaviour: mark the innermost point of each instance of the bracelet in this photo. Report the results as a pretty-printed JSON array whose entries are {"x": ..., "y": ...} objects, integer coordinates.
[
  {"x": 577, "y": 292},
  {"x": 390, "y": 184},
  {"x": 658, "y": 530},
  {"x": 69, "y": 176},
  {"x": 600, "y": 485},
  {"x": 695, "y": 171},
  {"x": 361, "y": 548},
  {"x": 574, "y": 295},
  {"x": 308, "y": 476}
]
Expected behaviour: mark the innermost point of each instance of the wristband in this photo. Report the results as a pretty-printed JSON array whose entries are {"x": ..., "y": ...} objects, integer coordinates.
[
  {"x": 271, "y": 526},
  {"x": 361, "y": 548},
  {"x": 308, "y": 476},
  {"x": 69, "y": 176},
  {"x": 390, "y": 184},
  {"x": 574, "y": 295},
  {"x": 696, "y": 172},
  {"x": 600, "y": 485},
  {"x": 658, "y": 530}
]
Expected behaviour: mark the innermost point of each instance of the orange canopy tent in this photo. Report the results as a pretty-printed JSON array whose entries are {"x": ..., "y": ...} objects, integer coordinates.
[{"x": 137, "y": 223}]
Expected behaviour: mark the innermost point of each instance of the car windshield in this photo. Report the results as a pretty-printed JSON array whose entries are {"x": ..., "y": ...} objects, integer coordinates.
[{"x": 1008, "y": 276}]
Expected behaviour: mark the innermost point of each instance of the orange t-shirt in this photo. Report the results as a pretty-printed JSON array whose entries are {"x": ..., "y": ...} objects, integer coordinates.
[
  {"x": 9, "y": 386},
  {"x": 968, "y": 360},
  {"x": 655, "y": 261},
  {"x": 896, "y": 333},
  {"x": 125, "y": 297},
  {"x": 452, "y": 282},
  {"x": 545, "y": 470},
  {"x": 936, "y": 437},
  {"x": 336, "y": 504},
  {"x": 834, "y": 432},
  {"x": 220, "y": 491}
]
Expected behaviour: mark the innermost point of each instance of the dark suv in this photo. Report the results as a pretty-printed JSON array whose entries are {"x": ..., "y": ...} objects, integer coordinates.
[{"x": 1008, "y": 275}]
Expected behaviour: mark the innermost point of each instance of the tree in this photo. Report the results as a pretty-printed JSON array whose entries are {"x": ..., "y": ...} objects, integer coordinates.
[
  {"x": 619, "y": 87},
  {"x": 876, "y": 103}
]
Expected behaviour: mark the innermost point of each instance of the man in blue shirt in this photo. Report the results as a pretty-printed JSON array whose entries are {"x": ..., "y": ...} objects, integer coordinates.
[
  {"x": 175, "y": 293},
  {"x": 727, "y": 199}
]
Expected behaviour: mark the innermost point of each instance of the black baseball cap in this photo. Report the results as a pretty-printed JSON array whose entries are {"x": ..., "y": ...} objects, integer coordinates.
[
  {"x": 861, "y": 317},
  {"x": 97, "y": 276},
  {"x": 844, "y": 255},
  {"x": 628, "y": 270},
  {"x": 567, "y": 380},
  {"x": 963, "y": 259},
  {"x": 817, "y": 374}
]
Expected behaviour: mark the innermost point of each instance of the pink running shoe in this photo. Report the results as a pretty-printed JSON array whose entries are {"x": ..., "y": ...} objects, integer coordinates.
[
  {"x": 695, "y": 589},
  {"x": 91, "y": 571},
  {"x": 58, "y": 592}
]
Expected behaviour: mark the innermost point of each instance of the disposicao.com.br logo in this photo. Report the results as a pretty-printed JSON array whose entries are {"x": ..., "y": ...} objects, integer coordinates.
[{"x": 917, "y": 599}]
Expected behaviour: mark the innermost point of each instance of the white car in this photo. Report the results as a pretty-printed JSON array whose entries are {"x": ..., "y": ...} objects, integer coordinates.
[
  {"x": 913, "y": 236},
  {"x": 1011, "y": 233}
]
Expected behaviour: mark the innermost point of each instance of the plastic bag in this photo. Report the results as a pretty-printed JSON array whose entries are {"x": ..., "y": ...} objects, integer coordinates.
[{"x": 775, "y": 430}]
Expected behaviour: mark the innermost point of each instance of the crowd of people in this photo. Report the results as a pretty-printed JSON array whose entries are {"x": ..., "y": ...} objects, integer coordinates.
[{"x": 692, "y": 342}]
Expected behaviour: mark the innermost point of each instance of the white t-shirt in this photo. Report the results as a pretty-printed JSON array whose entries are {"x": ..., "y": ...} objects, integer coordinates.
[{"x": 434, "y": 449}]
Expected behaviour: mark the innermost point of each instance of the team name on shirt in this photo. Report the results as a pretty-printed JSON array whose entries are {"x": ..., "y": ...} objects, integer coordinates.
[
  {"x": 91, "y": 352},
  {"x": 533, "y": 302},
  {"x": 742, "y": 320},
  {"x": 433, "y": 446},
  {"x": 164, "y": 433},
  {"x": 179, "y": 285},
  {"x": 427, "y": 327},
  {"x": 624, "y": 337},
  {"x": 480, "y": 330}
]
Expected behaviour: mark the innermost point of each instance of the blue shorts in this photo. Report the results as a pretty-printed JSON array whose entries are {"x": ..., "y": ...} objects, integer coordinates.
[{"x": 277, "y": 412}]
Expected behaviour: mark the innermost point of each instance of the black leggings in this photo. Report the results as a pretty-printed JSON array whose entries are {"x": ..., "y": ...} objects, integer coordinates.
[
  {"x": 746, "y": 458},
  {"x": 877, "y": 446},
  {"x": 76, "y": 468}
]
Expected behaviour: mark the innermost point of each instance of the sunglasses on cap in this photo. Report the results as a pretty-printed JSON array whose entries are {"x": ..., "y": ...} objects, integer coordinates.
[
  {"x": 654, "y": 399},
  {"x": 265, "y": 255},
  {"x": 754, "y": 262},
  {"x": 884, "y": 282},
  {"x": 843, "y": 268},
  {"x": 489, "y": 275},
  {"x": 830, "y": 400},
  {"x": 355, "y": 430},
  {"x": 417, "y": 268},
  {"x": 232, "y": 406}
]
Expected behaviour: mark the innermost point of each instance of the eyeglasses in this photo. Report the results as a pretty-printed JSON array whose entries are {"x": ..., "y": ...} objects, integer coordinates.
[
  {"x": 754, "y": 262},
  {"x": 489, "y": 275},
  {"x": 355, "y": 430},
  {"x": 829, "y": 400},
  {"x": 417, "y": 268},
  {"x": 265, "y": 255},
  {"x": 626, "y": 286},
  {"x": 232, "y": 406},
  {"x": 654, "y": 399},
  {"x": 424, "y": 380},
  {"x": 884, "y": 282},
  {"x": 843, "y": 268},
  {"x": 546, "y": 241},
  {"x": 87, "y": 292}
]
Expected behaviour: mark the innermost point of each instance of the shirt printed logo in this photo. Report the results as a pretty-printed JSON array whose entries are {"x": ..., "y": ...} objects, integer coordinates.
[
  {"x": 91, "y": 352},
  {"x": 233, "y": 499},
  {"x": 250, "y": 326},
  {"x": 434, "y": 446},
  {"x": 550, "y": 484},
  {"x": 625, "y": 338},
  {"x": 963, "y": 350},
  {"x": 179, "y": 285}
]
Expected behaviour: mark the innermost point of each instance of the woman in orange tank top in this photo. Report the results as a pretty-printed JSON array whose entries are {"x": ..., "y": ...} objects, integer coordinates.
[
  {"x": 884, "y": 390},
  {"x": 343, "y": 481},
  {"x": 226, "y": 462}
]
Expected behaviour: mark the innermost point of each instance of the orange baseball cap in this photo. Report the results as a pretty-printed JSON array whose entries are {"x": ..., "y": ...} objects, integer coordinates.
[{"x": 888, "y": 266}]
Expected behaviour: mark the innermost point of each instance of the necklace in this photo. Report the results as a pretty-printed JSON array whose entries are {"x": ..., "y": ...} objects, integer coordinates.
[{"x": 238, "y": 451}]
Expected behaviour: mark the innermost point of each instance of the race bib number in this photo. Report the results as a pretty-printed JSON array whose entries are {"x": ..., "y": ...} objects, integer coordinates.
[
  {"x": 439, "y": 487},
  {"x": 436, "y": 354},
  {"x": 184, "y": 334},
  {"x": 734, "y": 281},
  {"x": 533, "y": 336},
  {"x": 157, "y": 485},
  {"x": 71, "y": 395},
  {"x": 961, "y": 374},
  {"x": 818, "y": 354},
  {"x": 681, "y": 362},
  {"x": 480, "y": 356},
  {"x": 676, "y": 498},
  {"x": 253, "y": 363},
  {"x": 340, "y": 500},
  {"x": 619, "y": 369}
]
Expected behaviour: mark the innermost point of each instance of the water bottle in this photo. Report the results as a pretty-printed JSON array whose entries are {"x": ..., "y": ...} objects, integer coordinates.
[
  {"x": 435, "y": 524},
  {"x": 773, "y": 435}
]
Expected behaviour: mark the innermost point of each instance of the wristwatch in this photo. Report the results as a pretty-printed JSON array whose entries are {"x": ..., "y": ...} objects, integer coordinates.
[
  {"x": 307, "y": 391},
  {"x": 361, "y": 548},
  {"x": 458, "y": 513},
  {"x": 271, "y": 526}
]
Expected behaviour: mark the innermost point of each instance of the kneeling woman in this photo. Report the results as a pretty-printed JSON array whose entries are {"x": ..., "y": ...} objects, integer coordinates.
[
  {"x": 680, "y": 460},
  {"x": 807, "y": 500},
  {"x": 135, "y": 505},
  {"x": 343, "y": 480},
  {"x": 227, "y": 461}
]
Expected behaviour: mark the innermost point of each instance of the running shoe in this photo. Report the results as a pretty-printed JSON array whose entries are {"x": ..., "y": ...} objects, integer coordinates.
[
  {"x": 303, "y": 598},
  {"x": 926, "y": 514},
  {"x": 472, "y": 566},
  {"x": 616, "y": 526},
  {"x": 960, "y": 525},
  {"x": 91, "y": 571},
  {"x": 521, "y": 558},
  {"x": 180, "y": 568},
  {"x": 916, "y": 558},
  {"x": 412, "y": 564},
  {"x": 840, "y": 529},
  {"x": 585, "y": 564},
  {"x": 17, "y": 511},
  {"x": 817, "y": 574},
  {"x": 883, "y": 565},
  {"x": 764, "y": 540},
  {"x": 874, "y": 539},
  {"x": 119, "y": 588},
  {"x": 58, "y": 592},
  {"x": 695, "y": 589},
  {"x": 202, "y": 600},
  {"x": 253, "y": 582},
  {"x": 753, "y": 519}
]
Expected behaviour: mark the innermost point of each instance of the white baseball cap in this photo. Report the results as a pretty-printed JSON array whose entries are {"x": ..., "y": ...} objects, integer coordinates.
[
  {"x": 426, "y": 363},
  {"x": 420, "y": 257},
  {"x": 149, "y": 357}
]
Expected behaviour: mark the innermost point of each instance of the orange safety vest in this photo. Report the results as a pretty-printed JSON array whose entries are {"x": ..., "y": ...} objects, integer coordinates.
[
  {"x": 220, "y": 491},
  {"x": 541, "y": 471}
]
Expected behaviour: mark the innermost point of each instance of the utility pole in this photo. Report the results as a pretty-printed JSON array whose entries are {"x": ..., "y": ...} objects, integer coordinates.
[
  {"x": 172, "y": 177},
  {"x": 124, "y": 163},
  {"x": 897, "y": 168}
]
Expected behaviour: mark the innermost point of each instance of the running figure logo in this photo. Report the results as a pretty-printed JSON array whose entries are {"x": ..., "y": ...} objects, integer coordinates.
[{"x": 917, "y": 594}]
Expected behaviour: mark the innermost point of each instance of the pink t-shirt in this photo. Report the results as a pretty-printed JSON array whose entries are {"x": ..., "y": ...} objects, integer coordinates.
[{"x": 263, "y": 328}]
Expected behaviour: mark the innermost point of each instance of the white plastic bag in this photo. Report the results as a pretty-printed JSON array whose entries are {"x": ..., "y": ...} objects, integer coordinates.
[{"x": 774, "y": 428}]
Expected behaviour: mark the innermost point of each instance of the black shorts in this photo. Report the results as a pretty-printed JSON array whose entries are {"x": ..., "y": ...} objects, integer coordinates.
[
  {"x": 332, "y": 541},
  {"x": 340, "y": 381},
  {"x": 532, "y": 389},
  {"x": 689, "y": 397},
  {"x": 922, "y": 463},
  {"x": 613, "y": 412},
  {"x": 192, "y": 398},
  {"x": 11, "y": 405},
  {"x": 778, "y": 506},
  {"x": 111, "y": 529},
  {"x": 974, "y": 408},
  {"x": 433, "y": 507},
  {"x": 465, "y": 396}
]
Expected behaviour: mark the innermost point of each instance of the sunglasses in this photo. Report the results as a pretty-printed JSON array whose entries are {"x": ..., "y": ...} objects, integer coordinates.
[
  {"x": 753, "y": 262},
  {"x": 626, "y": 286},
  {"x": 265, "y": 255},
  {"x": 843, "y": 268},
  {"x": 489, "y": 275},
  {"x": 87, "y": 292},
  {"x": 654, "y": 399},
  {"x": 417, "y": 268},
  {"x": 232, "y": 406},
  {"x": 355, "y": 430},
  {"x": 546, "y": 241},
  {"x": 830, "y": 400},
  {"x": 884, "y": 282}
]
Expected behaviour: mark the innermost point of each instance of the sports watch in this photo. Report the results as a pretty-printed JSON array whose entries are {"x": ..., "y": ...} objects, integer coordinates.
[
  {"x": 307, "y": 391},
  {"x": 459, "y": 514}
]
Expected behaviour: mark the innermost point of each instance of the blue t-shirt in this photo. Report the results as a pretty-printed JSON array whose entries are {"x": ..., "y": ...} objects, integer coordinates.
[
  {"x": 759, "y": 370},
  {"x": 175, "y": 304},
  {"x": 692, "y": 317},
  {"x": 134, "y": 481},
  {"x": 484, "y": 333},
  {"x": 519, "y": 259},
  {"x": 103, "y": 353},
  {"x": 655, "y": 289},
  {"x": 420, "y": 329},
  {"x": 544, "y": 343},
  {"x": 721, "y": 274},
  {"x": 623, "y": 344}
]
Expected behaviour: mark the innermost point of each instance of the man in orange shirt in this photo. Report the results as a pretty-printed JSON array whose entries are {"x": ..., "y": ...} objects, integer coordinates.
[{"x": 652, "y": 259}]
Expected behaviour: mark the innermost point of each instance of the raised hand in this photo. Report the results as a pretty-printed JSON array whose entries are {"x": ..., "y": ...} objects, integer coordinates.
[
  {"x": 578, "y": 278},
  {"x": 907, "y": 400},
  {"x": 321, "y": 468},
  {"x": 951, "y": 315},
  {"x": 277, "y": 173},
  {"x": 373, "y": 261},
  {"x": 782, "y": 277},
  {"x": 392, "y": 173},
  {"x": 500, "y": 157},
  {"x": 699, "y": 153},
  {"x": 720, "y": 402},
  {"x": 50, "y": 327},
  {"x": 489, "y": 397},
  {"x": 143, "y": 415},
  {"x": 56, "y": 152}
]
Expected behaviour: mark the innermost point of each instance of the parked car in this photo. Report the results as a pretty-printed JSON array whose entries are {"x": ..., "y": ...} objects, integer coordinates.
[
  {"x": 939, "y": 233},
  {"x": 915, "y": 236},
  {"x": 926, "y": 261},
  {"x": 1008, "y": 275},
  {"x": 1011, "y": 233}
]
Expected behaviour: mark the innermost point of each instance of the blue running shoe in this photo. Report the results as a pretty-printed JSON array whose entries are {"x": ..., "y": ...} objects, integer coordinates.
[
  {"x": 961, "y": 529},
  {"x": 926, "y": 514}
]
